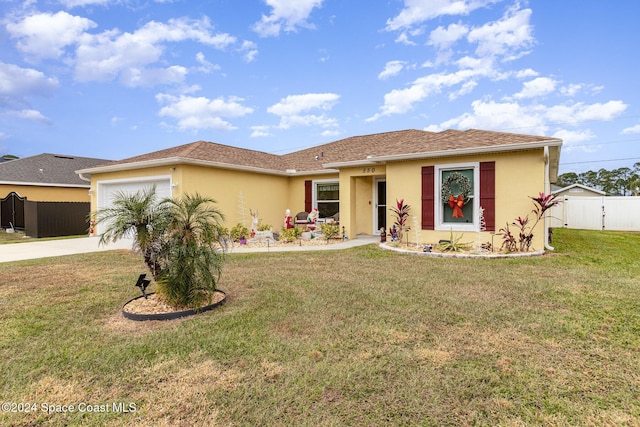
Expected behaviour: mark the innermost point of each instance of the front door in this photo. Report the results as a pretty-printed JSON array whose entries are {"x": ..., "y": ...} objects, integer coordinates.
[{"x": 380, "y": 211}]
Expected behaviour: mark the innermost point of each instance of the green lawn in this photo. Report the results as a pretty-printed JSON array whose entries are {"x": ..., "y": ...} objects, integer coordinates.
[
  {"x": 19, "y": 237},
  {"x": 358, "y": 337}
]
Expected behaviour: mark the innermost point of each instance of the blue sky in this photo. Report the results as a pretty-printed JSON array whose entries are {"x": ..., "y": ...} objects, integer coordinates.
[{"x": 116, "y": 78}]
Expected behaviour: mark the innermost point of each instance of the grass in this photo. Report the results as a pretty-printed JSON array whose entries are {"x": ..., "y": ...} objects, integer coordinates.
[
  {"x": 355, "y": 337},
  {"x": 19, "y": 237}
]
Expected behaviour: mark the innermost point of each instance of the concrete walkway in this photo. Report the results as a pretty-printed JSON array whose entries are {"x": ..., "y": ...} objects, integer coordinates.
[{"x": 50, "y": 248}]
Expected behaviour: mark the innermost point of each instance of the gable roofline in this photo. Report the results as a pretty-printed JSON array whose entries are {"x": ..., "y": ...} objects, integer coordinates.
[
  {"x": 371, "y": 160},
  {"x": 584, "y": 187}
]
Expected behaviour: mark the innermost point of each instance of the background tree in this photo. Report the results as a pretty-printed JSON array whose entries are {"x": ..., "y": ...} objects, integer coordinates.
[{"x": 617, "y": 182}]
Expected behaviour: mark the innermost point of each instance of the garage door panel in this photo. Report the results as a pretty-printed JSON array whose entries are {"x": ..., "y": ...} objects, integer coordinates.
[{"x": 107, "y": 191}]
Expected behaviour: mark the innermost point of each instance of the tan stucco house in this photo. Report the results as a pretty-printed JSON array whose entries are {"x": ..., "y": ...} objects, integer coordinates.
[
  {"x": 360, "y": 177},
  {"x": 41, "y": 178}
]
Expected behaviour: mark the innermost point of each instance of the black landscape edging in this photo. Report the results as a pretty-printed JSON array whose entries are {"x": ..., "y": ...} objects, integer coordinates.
[{"x": 171, "y": 315}]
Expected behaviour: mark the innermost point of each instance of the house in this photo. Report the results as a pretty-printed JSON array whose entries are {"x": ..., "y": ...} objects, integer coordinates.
[
  {"x": 42, "y": 178},
  {"x": 577, "y": 190},
  {"x": 360, "y": 177}
]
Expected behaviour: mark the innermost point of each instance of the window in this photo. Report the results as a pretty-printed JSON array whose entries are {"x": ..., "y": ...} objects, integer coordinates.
[
  {"x": 457, "y": 201},
  {"x": 484, "y": 194},
  {"x": 327, "y": 198}
]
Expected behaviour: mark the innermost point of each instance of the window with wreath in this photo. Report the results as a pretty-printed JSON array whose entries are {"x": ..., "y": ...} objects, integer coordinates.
[{"x": 457, "y": 202}]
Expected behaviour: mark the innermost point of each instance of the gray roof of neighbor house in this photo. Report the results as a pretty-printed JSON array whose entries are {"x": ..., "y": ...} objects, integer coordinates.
[
  {"x": 47, "y": 170},
  {"x": 365, "y": 149}
]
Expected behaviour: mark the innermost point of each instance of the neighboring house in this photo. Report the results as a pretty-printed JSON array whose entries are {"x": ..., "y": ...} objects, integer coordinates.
[
  {"x": 360, "y": 177},
  {"x": 41, "y": 178},
  {"x": 577, "y": 190}
]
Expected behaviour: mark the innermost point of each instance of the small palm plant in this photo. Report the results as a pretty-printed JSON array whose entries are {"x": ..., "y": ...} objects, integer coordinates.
[
  {"x": 140, "y": 216},
  {"x": 180, "y": 241},
  {"x": 193, "y": 255}
]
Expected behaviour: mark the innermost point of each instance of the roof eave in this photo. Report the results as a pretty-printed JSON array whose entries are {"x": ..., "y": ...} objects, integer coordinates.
[
  {"x": 170, "y": 161},
  {"x": 45, "y": 184}
]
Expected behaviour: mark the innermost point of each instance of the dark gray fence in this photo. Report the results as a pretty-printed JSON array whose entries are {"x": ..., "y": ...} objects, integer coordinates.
[
  {"x": 53, "y": 219},
  {"x": 12, "y": 211}
]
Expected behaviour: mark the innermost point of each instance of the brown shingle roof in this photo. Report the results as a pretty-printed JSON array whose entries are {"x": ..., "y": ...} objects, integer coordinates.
[
  {"x": 355, "y": 148},
  {"x": 212, "y": 152}
]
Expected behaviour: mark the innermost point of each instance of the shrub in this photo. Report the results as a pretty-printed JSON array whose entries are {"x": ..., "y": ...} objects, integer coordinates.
[
  {"x": 290, "y": 234},
  {"x": 264, "y": 227},
  {"x": 542, "y": 203},
  {"x": 401, "y": 212},
  {"x": 329, "y": 231},
  {"x": 238, "y": 231}
]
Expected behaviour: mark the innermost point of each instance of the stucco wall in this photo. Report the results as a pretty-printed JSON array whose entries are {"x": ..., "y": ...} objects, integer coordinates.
[
  {"x": 238, "y": 191},
  {"x": 234, "y": 191},
  {"x": 47, "y": 194},
  {"x": 518, "y": 175}
]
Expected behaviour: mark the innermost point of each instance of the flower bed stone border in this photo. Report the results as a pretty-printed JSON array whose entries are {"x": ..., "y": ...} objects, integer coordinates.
[{"x": 386, "y": 246}]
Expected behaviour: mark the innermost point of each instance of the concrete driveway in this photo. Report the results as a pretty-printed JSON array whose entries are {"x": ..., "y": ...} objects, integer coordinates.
[{"x": 49, "y": 248}]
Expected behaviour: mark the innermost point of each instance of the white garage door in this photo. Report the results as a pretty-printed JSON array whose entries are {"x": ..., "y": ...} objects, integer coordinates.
[{"x": 108, "y": 189}]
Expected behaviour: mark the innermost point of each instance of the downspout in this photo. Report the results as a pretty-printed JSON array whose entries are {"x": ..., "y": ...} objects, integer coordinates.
[
  {"x": 547, "y": 190},
  {"x": 84, "y": 178}
]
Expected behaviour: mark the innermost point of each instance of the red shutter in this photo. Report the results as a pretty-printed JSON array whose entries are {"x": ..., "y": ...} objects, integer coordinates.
[
  {"x": 488, "y": 193},
  {"x": 308, "y": 196},
  {"x": 428, "y": 201}
]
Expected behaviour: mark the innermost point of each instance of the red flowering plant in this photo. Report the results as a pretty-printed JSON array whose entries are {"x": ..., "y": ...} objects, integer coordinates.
[
  {"x": 401, "y": 211},
  {"x": 542, "y": 203}
]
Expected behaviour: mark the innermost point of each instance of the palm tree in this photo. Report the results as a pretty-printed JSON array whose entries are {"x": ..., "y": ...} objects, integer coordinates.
[
  {"x": 141, "y": 216},
  {"x": 193, "y": 257}
]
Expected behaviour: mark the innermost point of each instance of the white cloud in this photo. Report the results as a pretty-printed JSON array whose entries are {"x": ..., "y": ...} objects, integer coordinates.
[
  {"x": 205, "y": 66},
  {"x": 505, "y": 37},
  {"x": 292, "y": 110},
  {"x": 19, "y": 83},
  {"x": 111, "y": 54},
  {"x": 523, "y": 74},
  {"x": 443, "y": 38},
  {"x": 498, "y": 116},
  {"x": 391, "y": 69},
  {"x": 260, "y": 131},
  {"x": 632, "y": 129},
  {"x": 571, "y": 89},
  {"x": 28, "y": 114},
  {"x": 249, "y": 49},
  {"x": 45, "y": 35},
  {"x": 579, "y": 112},
  {"x": 200, "y": 112},
  {"x": 417, "y": 11},
  {"x": 400, "y": 101},
  {"x": 540, "y": 86},
  {"x": 76, "y": 3},
  {"x": 295, "y": 104},
  {"x": 286, "y": 15},
  {"x": 572, "y": 137}
]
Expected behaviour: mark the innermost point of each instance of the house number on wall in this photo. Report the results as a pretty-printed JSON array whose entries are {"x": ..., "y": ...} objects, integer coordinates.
[{"x": 368, "y": 170}]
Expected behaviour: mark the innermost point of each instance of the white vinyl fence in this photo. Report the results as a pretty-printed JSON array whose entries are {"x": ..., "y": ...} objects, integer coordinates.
[{"x": 597, "y": 213}]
